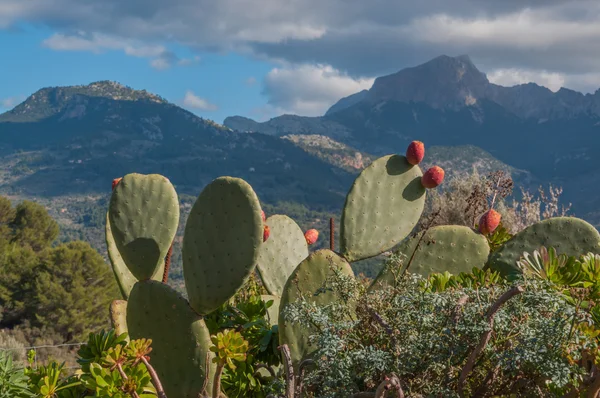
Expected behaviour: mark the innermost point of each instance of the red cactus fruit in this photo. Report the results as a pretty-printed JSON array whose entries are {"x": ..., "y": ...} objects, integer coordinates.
[
  {"x": 115, "y": 182},
  {"x": 489, "y": 221},
  {"x": 311, "y": 236},
  {"x": 415, "y": 152},
  {"x": 262, "y": 215},
  {"x": 266, "y": 233},
  {"x": 433, "y": 177}
]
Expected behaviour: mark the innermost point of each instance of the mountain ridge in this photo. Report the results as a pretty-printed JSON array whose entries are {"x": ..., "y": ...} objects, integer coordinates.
[
  {"x": 449, "y": 102},
  {"x": 457, "y": 83}
]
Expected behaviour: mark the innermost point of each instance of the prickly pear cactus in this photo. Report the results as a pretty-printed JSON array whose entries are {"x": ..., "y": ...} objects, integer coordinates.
[
  {"x": 223, "y": 236},
  {"x": 143, "y": 215},
  {"x": 124, "y": 277},
  {"x": 307, "y": 278},
  {"x": 383, "y": 206},
  {"x": 273, "y": 310},
  {"x": 180, "y": 338},
  {"x": 281, "y": 253},
  {"x": 443, "y": 248},
  {"x": 568, "y": 235},
  {"x": 118, "y": 316}
]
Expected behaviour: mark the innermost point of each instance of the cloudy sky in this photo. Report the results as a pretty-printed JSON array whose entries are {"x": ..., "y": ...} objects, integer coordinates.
[{"x": 261, "y": 58}]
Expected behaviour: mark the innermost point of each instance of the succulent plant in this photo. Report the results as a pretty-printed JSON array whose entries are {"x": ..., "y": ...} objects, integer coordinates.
[
  {"x": 281, "y": 254},
  {"x": 383, "y": 206},
  {"x": 118, "y": 316},
  {"x": 222, "y": 241},
  {"x": 308, "y": 277},
  {"x": 142, "y": 221},
  {"x": 381, "y": 209},
  {"x": 446, "y": 248},
  {"x": 228, "y": 346},
  {"x": 568, "y": 235}
]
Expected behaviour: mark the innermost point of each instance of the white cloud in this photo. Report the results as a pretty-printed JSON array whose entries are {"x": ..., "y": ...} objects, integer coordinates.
[
  {"x": 586, "y": 82},
  {"x": 160, "y": 63},
  {"x": 511, "y": 77},
  {"x": 191, "y": 100},
  {"x": 11, "y": 102},
  {"x": 188, "y": 61},
  {"x": 160, "y": 57},
  {"x": 310, "y": 89},
  {"x": 251, "y": 81}
]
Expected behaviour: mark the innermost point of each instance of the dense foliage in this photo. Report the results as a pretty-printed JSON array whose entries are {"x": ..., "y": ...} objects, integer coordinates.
[{"x": 46, "y": 287}]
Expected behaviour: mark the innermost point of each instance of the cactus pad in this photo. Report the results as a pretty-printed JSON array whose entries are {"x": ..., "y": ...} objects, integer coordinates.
[
  {"x": 307, "y": 278},
  {"x": 118, "y": 316},
  {"x": 223, "y": 236},
  {"x": 125, "y": 279},
  {"x": 568, "y": 235},
  {"x": 281, "y": 254},
  {"x": 143, "y": 214},
  {"x": 180, "y": 338},
  {"x": 382, "y": 207},
  {"x": 273, "y": 310},
  {"x": 451, "y": 248}
]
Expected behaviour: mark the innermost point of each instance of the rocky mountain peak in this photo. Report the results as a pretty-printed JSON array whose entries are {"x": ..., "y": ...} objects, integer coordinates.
[
  {"x": 50, "y": 101},
  {"x": 442, "y": 82}
]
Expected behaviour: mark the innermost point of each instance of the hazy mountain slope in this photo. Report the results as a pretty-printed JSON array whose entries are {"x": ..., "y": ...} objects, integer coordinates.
[{"x": 79, "y": 138}]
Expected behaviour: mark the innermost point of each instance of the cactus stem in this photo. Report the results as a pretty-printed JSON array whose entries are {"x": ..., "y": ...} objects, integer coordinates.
[
  {"x": 331, "y": 234},
  {"x": 155, "y": 379},
  {"x": 300, "y": 382},
  {"x": 167, "y": 264},
  {"x": 217, "y": 382},
  {"x": 289, "y": 371},
  {"x": 390, "y": 383},
  {"x": 133, "y": 394},
  {"x": 485, "y": 337}
]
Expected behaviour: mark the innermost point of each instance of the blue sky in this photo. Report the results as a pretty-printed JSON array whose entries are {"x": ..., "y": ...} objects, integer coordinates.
[
  {"x": 263, "y": 58},
  {"x": 231, "y": 84}
]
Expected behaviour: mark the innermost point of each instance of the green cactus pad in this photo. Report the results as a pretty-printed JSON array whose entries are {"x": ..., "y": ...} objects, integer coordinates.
[
  {"x": 118, "y": 316},
  {"x": 273, "y": 310},
  {"x": 223, "y": 236},
  {"x": 281, "y": 253},
  {"x": 180, "y": 338},
  {"x": 568, "y": 235},
  {"x": 307, "y": 278},
  {"x": 125, "y": 279},
  {"x": 382, "y": 208},
  {"x": 451, "y": 248},
  {"x": 143, "y": 214}
]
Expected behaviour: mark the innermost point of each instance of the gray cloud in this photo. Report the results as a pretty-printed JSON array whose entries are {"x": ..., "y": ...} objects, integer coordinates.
[{"x": 511, "y": 40}]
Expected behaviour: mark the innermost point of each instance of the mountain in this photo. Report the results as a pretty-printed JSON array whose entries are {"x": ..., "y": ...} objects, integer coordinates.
[
  {"x": 347, "y": 102},
  {"x": 63, "y": 146},
  {"x": 75, "y": 140},
  {"x": 455, "y": 82},
  {"x": 449, "y": 102}
]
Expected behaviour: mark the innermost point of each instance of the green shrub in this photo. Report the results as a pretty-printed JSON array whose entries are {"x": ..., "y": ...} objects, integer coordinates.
[{"x": 425, "y": 336}]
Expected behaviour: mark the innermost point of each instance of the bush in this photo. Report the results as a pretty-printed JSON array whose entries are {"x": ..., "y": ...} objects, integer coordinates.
[
  {"x": 464, "y": 198},
  {"x": 426, "y": 337}
]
